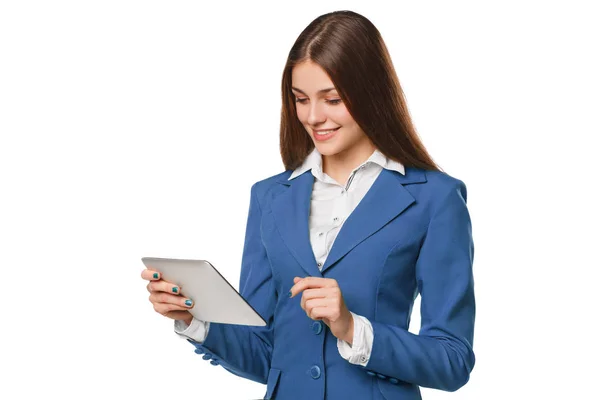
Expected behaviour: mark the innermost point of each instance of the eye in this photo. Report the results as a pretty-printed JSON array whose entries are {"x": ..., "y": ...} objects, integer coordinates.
[{"x": 332, "y": 102}]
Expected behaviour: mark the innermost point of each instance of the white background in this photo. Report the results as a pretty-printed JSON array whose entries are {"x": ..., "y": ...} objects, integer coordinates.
[{"x": 136, "y": 128}]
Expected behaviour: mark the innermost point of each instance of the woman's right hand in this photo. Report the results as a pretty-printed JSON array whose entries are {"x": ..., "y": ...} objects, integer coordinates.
[{"x": 165, "y": 297}]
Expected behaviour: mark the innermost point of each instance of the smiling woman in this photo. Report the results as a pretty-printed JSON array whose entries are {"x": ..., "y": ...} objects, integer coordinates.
[
  {"x": 324, "y": 115},
  {"x": 339, "y": 244}
]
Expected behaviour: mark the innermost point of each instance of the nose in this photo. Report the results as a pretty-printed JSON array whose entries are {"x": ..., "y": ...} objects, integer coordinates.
[{"x": 316, "y": 115}]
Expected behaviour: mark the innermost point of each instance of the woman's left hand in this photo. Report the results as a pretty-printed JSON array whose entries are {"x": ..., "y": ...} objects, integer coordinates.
[{"x": 322, "y": 300}]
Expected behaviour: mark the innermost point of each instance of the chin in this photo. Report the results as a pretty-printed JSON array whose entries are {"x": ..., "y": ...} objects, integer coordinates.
[{"x": 326, "y": 149}]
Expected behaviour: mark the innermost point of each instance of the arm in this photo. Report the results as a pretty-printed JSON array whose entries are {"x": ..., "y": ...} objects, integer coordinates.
[
  {"x": 359, "y": 351},
  {"x": 196, "y": 330},
  {"x": 246, "y": 350},
  {"x": 441, "y": 355}
]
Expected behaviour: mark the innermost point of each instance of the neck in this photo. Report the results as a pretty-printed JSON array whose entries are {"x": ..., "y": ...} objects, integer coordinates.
[{"x": 340, "y": 165}]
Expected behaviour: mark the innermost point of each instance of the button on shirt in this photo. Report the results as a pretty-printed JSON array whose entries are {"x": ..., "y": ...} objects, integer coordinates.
[{"x": 330, "y": 206}]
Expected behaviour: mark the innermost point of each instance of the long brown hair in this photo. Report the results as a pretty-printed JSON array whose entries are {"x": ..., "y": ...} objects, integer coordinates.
[{"x": 350, "y": 49}]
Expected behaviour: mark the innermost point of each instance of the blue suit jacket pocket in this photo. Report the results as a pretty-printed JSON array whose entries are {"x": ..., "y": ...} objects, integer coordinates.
[{"x": 272, "y": 381}]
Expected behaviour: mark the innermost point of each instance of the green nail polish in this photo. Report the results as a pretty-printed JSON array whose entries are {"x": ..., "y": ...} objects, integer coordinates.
[
  {"x": 188, "y": 303},
  {"x": 175, "y": 290},
  {"x": 155, "y": 275},
  {"x": 290, "y": 293}
]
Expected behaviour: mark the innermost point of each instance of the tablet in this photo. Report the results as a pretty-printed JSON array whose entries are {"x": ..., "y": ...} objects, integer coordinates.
[{"x": 215, "y": 300}]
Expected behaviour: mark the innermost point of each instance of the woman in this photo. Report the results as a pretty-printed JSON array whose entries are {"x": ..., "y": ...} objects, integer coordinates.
[{"x": 339, "y": 245}]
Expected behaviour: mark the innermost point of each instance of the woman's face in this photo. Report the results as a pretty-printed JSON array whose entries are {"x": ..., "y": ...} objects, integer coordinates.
[{"x": 320, "y": 108}]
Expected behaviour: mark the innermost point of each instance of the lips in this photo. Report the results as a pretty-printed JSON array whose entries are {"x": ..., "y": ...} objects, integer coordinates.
[
  {"x": 327, "y": 136},
  {"x": 325, "y": 130}
]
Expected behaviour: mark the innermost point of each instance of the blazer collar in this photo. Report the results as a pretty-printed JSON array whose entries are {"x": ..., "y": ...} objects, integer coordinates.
[
  {"x": 386, "y": 198},
  {"x": 314, "y": 162}
]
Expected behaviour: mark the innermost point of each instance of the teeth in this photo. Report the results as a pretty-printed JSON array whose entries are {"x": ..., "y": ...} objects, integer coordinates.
[{"x": 325, "y": 132}]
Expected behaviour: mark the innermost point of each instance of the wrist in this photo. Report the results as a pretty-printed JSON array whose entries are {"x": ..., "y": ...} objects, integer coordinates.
[
  {"x": 188, "y": 320},
  {"x": 349, "y": 336}
]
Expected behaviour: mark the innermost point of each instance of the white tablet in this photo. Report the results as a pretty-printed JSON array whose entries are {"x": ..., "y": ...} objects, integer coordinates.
[{"x": 215, "y": 300}]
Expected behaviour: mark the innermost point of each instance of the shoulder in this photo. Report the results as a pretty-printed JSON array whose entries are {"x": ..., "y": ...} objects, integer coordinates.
[
  {"x": 262, "y": 188},
  {"x": 442, "y": 184},
  {"x": 437, "y": 191}
]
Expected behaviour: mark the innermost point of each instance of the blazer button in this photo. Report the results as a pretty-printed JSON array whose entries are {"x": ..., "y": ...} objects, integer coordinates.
[
  {"x": 214, "y": 362},
  {"x": 199, "y": 351},
  {"x": 371, "y": 373},
  {"x": 207, "y": 356},
  {"x": 381, "y": 376},
  {"x": 394, "y": 381},
  {"x": 317, "y": 327},
  {"x": 315, "y": 372}
]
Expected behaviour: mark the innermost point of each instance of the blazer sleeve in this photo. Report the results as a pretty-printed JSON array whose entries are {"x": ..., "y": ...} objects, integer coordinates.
[
  {"x": 246, "y": 350},
  {"x": 441, "y": 355}
]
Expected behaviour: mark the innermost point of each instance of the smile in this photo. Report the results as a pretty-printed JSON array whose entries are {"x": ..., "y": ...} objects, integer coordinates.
[{"x": 324, "y": 135}]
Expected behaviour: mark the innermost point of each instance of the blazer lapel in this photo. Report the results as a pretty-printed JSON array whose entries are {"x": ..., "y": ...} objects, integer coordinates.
[
  {"x": 291, "y": 210},
  {"x": 386, "y": 198}
]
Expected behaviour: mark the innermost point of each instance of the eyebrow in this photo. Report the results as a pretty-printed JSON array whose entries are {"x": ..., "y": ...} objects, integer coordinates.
[{"x": 320, "y": 91}]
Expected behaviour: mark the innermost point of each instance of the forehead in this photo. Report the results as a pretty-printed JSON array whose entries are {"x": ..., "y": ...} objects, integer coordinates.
[{"x": 310, "y": 77}]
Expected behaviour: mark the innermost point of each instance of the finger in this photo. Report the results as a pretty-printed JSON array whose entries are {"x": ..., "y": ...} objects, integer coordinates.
[
  {"x": 164, "y": 286},
  {"x": 314, "y": 293},
  {"x": 164, "y": 308},
  {"x": 294, "y": 286},
  {"x": 318, "y": 313},
  {"x": 166, "y": 298},
  {"x": 312, "y": 303},
  {"x": 311, "y": 282},
  {"x": 327, "y": 282},
  {"x": 319, "y": 292},
  {"x": 150, "y": 275}
]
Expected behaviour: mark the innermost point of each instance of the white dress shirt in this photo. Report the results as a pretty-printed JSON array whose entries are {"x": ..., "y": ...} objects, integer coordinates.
[{"x": 330, "y": 205}]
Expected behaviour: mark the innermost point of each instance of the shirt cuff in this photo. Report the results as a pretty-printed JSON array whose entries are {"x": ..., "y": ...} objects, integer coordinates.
[
  {"x": 362, "y": 342},
  {"x": 197, "y": 330}
]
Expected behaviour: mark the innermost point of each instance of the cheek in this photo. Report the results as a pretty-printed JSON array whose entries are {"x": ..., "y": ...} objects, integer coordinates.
[
  {"x": 302, "y": 114},
  {"x": 341, "y": 116}
]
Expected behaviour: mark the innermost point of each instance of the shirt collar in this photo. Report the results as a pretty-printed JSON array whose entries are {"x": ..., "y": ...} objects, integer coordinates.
[{"x": 314, "y": 161}]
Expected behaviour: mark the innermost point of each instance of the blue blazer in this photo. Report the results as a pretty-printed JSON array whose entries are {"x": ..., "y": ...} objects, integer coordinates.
[{"x": 409, "y": 235}]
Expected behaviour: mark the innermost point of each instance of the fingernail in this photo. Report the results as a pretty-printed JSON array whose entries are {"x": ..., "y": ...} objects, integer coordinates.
[
  {"x": 290, "y": 293},
  {"x": 155, "y": 275},
  {"x": 188, "y": 303},
  {"x": 175, "y": 289}
]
